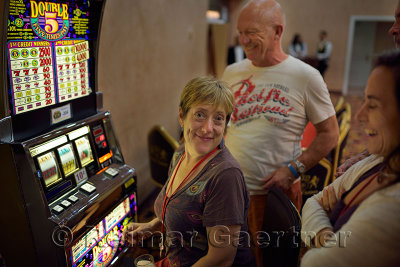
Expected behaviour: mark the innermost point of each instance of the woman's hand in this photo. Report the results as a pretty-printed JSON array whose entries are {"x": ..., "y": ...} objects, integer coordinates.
[
  {"x": 328, "y": 199},
  {"x": 323, "y": 237},
  {"x": 137, "y": 232},
  {"x": 350, "y": 162}
]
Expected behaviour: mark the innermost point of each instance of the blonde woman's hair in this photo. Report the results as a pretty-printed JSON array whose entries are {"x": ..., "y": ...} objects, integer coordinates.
[{"x": 207, "y": 90}]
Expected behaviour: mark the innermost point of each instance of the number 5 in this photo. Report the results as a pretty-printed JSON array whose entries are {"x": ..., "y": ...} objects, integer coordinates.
[{"x": 51, "y": 24}]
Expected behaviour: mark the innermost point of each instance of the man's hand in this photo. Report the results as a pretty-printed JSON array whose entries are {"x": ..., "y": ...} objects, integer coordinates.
[{"x": 282, "y": 178}]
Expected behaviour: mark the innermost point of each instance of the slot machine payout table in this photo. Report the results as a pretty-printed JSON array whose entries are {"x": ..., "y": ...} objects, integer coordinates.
[{"x": 66, "y": 193}]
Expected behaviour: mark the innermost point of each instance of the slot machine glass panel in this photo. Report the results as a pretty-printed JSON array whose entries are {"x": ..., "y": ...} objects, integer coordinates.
[{"x": 51, "y": 51}]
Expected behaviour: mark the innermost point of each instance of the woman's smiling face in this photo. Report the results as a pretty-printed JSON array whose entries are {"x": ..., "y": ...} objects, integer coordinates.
[
  {"x": 380, "y": 112},
  {"x": 203, "y": 128}
]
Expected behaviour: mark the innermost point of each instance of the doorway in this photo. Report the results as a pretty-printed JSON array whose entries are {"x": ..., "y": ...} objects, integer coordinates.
[{"x": 368, "y": 36}]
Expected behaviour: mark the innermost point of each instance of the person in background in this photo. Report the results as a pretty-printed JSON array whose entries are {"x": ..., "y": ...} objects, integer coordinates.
[
  {"x": 203, "y": 206},
  {"x": 324, "y": 51},
  {"x": 395, "y": 31},
  {"x": 275, "y": 97},
  {"x": 297, "y": 47},
  {"x": 235, "y": 53},
  {"x": 363, "y": 205}
]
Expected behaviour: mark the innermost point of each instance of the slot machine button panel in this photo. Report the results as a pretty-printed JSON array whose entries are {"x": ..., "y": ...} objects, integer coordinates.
[
  {"x": 88, "y": 188},
  {"x": 66, "y": 204},
  {"x": 111, "y": 172},
  {"x": 58, "y": 209},
  {"x": 73, "y": 199}
]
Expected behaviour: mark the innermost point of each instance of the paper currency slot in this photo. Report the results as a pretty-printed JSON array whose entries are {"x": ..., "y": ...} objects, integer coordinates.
[{"x": 106, "y": 157}]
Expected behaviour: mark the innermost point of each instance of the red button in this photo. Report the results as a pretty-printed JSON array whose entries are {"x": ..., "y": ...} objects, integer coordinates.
[
  {"x": 100, "y": 138},
  {"x": 98, "y": 131}
]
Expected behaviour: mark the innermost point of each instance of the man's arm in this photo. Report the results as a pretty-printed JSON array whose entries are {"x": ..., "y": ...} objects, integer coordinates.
[{"x": 325, "y": 140}]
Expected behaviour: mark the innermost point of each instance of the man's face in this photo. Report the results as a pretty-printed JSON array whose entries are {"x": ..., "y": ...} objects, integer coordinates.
[
  {"x": 395, "y": 29},
  {"x": 255, "y": 37}
]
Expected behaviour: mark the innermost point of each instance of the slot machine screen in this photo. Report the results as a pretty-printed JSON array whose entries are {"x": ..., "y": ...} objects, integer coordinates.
[
  {"x": 101, "y": 244},
  {"x": 51, "y": 62}
]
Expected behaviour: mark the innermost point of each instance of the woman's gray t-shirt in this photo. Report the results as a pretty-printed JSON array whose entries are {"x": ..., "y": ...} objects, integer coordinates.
[{"x": 216, "y": 196}]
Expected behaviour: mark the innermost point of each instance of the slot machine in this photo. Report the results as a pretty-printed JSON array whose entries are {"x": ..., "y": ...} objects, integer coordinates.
[{"x": 66, "y": 194}]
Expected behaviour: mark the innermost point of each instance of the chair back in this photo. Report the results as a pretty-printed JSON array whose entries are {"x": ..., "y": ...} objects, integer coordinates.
[
  {"x": 161, "y": 146},
  {"x": 282, "y": 223},
  {"x": 344, "y": 120},
  {"x": 339, "y": 104},
  {"x": 316, "y": 178},
  {"x": 308, "y": 135}
]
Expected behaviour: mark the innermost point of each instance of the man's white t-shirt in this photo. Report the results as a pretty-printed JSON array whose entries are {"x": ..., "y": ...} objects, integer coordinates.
[{"x": 272, "y": 107}]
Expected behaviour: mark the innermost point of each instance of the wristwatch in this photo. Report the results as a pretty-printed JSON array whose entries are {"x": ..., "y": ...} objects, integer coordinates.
[{"x": 301, "y": 168}]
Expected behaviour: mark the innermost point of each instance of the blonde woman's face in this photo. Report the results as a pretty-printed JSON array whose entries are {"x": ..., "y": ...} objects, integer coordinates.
[{"x": 203, "y": 128}]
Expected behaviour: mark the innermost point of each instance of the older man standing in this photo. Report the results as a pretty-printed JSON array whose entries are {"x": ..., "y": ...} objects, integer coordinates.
[{"x": 276, "y": 95}]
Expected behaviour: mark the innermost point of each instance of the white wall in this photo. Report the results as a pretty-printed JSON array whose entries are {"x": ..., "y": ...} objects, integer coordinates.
[{"x": 149, "y": 49}]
